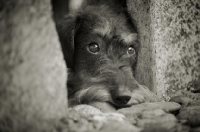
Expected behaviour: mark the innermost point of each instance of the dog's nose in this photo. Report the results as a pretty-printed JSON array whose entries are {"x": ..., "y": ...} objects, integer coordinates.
[{"x": 122, "y": 99}]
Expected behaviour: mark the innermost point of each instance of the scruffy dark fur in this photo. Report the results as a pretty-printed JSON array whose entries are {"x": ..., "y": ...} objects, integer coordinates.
[{"x": 105, "y": 75}]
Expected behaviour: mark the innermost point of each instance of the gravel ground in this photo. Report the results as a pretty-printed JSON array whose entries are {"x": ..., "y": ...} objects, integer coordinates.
[{"x": 182, "y": 116}]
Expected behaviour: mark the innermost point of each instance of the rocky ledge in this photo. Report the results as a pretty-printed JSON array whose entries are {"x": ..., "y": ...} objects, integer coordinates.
[{"x": 181, "y": 114}]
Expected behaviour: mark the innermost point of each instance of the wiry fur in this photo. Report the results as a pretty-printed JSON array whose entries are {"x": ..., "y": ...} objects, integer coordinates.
[{"x": 104, "y": 75}]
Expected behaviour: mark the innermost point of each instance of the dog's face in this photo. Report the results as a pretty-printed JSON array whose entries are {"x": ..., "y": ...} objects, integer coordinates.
[
  {"x": 100, "y": 48},
  {"x": 98, "y": 40}
]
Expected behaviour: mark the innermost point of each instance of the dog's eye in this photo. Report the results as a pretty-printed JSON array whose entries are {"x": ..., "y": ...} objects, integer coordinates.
[
  {"x": 93, "y": 47},
  {"x": 131, "y": 50}
]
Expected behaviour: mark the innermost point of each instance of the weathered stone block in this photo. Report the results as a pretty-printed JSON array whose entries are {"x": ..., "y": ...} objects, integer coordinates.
[{"x": 32, "y": 69}]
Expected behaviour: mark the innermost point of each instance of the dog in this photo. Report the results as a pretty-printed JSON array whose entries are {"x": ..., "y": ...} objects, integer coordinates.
[{"x": 100, "y": 46}]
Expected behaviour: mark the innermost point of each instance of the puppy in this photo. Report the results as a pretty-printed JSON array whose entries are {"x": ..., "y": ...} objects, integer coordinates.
[{"x": 100, "y": 48}]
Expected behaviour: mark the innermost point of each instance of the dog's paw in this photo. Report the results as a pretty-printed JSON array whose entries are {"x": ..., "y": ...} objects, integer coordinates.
[
  {"x": 143, "y": 94},
  {"x": 137, "y": 97}
]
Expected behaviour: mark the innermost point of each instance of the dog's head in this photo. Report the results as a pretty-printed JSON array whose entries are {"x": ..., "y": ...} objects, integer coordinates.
[{"x": 100, "y": 48}]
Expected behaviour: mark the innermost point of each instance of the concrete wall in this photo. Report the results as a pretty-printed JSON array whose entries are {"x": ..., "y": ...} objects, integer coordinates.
[
  {"x": 170, "y": 44},
  {"x": 32, "y": 69},
  {"x": 139, "y": 10}
]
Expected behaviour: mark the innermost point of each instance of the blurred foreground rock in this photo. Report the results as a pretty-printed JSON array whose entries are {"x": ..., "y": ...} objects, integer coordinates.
[
  {"x": 78, "y": 121},
  {"x": 190, "y": 110},
  {"x": 33, "y": 76},
  {"x": 145, "y": 117},
  {"x": 136, "y": 110}
]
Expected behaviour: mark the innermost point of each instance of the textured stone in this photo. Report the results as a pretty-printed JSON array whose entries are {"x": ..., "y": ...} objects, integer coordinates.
[
  {"x": 175, "y": 28},
  {"x": 97, "y": 113},
  {"x": 119, "y": 127},
  {"x": 157, "y": 120},
  {"x": 184, "y": 101},
  {"x": 136, "y": 110},
  {"x": 32, "y": 69},
  {"x": 152, "y": 113},
  {"x": 169, "y": 58},
  {"x": 186, "y": 98},
  {"x": 78, "y": 121},
  {"x": 166, "y": 127},
  {"x": 86, "y": 109},
  {"x": 190, "y": 115},
  {"x": 103, "y": 106},
  {"x": 139, "y": 11}
]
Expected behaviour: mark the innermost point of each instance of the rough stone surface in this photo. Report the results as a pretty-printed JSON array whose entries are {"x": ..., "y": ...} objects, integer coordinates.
[
  {"x": 104, "y": 107},
  {"x": 176, "y": 42},
  {"x": 169, "y": 58},
  {"x": 147, "y": 117},
  {"x": 190, "y": 110},
  {"x": 162, "y": 119},
  {"x": 78, "y": 121},
  {"x": 32, "y": 69},
  {"x": 190, "y": 115},
  {"x": 139, "y": 11},
  {"x": 147, "y": 114},
  {"x": 136, "y": 110}
]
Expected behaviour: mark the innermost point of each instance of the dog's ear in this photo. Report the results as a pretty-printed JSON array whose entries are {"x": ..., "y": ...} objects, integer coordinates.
[{"x": 66, "y": 28}]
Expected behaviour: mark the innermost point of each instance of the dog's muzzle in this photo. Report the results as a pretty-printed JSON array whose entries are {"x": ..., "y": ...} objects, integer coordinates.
[{"x": 121, "y": 97}]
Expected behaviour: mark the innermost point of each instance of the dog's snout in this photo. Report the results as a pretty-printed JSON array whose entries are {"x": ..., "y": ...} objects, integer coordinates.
[{"x": 122, "y": 98}]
